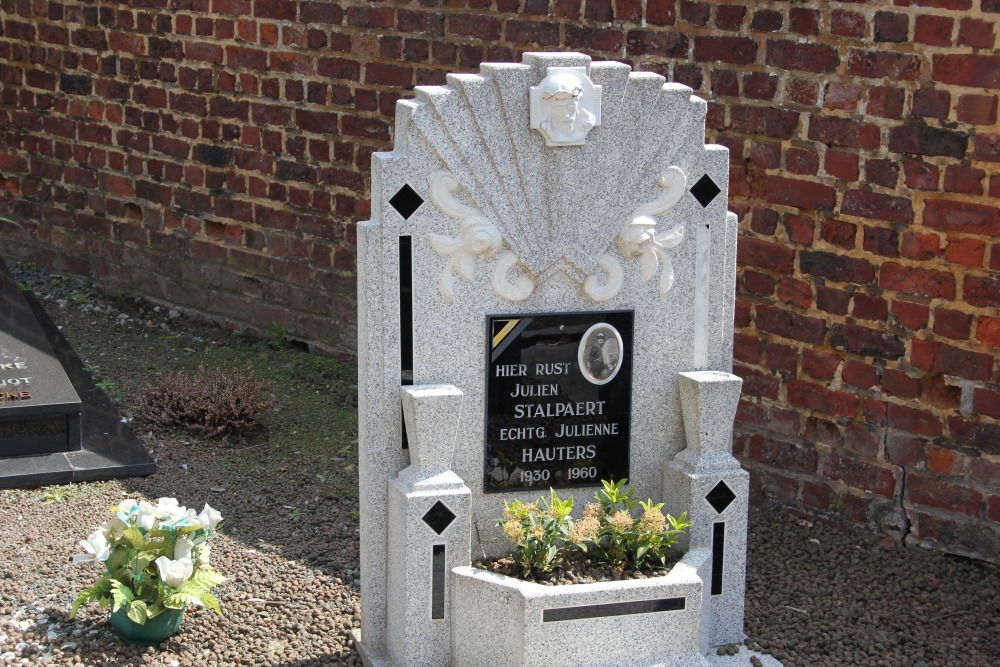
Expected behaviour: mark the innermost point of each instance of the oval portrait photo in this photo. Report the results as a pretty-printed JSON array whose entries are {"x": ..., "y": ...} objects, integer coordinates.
[{"x": 600, "y": 353}]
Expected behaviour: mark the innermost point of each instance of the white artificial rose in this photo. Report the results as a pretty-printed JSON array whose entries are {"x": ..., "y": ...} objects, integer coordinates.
[
  {"x": 209, "y": 517},
  {"x": 182, "y": 548},
  {"x": 126, "y": 506},
  {"x": 174, "y": 572},
  {"x": 204, "y": 555},
  {"x": 145, "y": 516},
  {"x": 113, "y": 528},
  {"x": 97, "y": 549},
  {"x": 167, "y": 509}
]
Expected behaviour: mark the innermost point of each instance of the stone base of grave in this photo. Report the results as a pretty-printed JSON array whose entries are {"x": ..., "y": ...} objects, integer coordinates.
[
  {"x": 110, "y": 448},
  {"x": 656, "y": 622},
  {"x": 712, "y": 659}
]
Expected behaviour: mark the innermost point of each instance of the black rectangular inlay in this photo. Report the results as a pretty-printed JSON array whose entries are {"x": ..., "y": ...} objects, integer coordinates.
[
  {"x": 558, "y": 399},
  {"x": 612, "y": 609},
  {"x": 437, "y": 581},
  {"x": 718, "y": 555},
  {"x": 405, "y": 321}
]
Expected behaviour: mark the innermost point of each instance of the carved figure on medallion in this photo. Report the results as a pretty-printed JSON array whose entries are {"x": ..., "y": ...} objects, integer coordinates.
[{"x": 565, "y": 106}]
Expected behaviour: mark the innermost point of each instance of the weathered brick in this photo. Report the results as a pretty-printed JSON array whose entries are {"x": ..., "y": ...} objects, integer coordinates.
[
  {"x": 842, "y": 132},
  {"x": 933, "y": 30},
  {"x": 898, "y": 383},
  {"x": 866, "y": 342},
  {"x": 765, "y": 255},
  {"x": 952, "y": 323},
  {"x": 729, "y": 17},
  {"x": 734, "y": 50},
  {"x": 891, "y": 27},
  {"x": 669, "y": 44},
  {"x": 977, "y": 109},
  {"x": 941, "y": 358},
  {"x": 883, "y": 64},
  {"x": 987, "y": 147},
  {"x": 920, "y": 175},
  {"x": 860, "y": 474},
  {"x": 962, "y": 217},
  {"x": 757, "y": 383},
  {"x": 969, "y": 252},
  {"x": 806, "y": 57},
  {"x": 974, "y": 71},
  {"x": 782, "y": 454},
  {"x": 847, "y": 24},
  {"x": 930, "y": 492},
  {"x": 988, "y": 330},
  {"x": 924, "y": 140},
  {"x": 790, "y": 325},
  {"x": 878, "y": 206},
  {"x": 799, "y": 193},
  {"x": 821, "y": 365},
  {"x": 837, "y": 267},
  {"x": 917, "y": 280},
  {"x": 981, "y": 291},
  {"x": 859, "y": 374}
]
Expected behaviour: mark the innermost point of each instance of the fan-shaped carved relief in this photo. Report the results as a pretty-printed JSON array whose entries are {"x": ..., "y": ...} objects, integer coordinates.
[{"x": 578, "y": 205}]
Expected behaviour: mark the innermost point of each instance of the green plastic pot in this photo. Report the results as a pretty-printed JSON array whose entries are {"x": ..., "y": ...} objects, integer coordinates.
[{"x": 152, "y": 632}]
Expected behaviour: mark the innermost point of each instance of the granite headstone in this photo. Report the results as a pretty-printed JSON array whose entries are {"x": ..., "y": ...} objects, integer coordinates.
[
  {"x": 56, "y": 425},
  {"x": 546, "y": 291}
]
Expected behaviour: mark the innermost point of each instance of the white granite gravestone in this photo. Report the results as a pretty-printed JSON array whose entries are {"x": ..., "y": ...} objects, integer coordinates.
[{"x": 546, "y": 293}]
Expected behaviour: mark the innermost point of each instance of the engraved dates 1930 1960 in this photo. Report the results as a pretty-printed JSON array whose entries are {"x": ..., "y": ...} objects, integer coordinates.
[{"x": 558, "y": 399}]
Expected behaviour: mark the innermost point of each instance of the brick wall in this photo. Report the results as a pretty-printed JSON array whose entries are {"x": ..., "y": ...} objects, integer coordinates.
[{"x": 215, "y": 153}]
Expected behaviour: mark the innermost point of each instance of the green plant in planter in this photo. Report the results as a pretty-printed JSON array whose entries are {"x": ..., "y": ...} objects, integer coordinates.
[
  {"x": 538, "y": 531},
  {"x": 543, "y": 532},
  {"x": 625, "y": 541},
  {"x": 156, "y": 559}
]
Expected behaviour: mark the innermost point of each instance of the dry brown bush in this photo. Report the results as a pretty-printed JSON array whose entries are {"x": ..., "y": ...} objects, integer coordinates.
[{"x": 217, "y": 403}]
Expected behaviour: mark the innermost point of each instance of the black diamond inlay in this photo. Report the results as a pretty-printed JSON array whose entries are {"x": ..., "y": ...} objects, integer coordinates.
[
  {"x": 406, "y": 201},
  {"x": 705, "y": 190},
  {"x": 720, "y": 497},
  {"x": 439, "y": 517}
]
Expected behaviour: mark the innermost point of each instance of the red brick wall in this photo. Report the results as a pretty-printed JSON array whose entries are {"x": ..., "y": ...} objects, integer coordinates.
[{"x": 215, "y": 153}]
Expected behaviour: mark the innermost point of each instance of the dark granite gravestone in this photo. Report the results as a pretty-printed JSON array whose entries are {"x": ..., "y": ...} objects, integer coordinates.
[{"x": 56, "y": 426}]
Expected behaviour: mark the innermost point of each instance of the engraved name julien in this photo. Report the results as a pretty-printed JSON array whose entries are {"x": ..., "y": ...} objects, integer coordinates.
[{"x": 558, "y": 399}]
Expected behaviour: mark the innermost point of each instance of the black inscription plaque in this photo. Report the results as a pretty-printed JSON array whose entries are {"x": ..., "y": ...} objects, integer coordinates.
[{"x": 558, "y": 399}]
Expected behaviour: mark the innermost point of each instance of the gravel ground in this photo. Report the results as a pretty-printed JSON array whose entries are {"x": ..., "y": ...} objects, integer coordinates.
[{"x": 817, "y": 595}]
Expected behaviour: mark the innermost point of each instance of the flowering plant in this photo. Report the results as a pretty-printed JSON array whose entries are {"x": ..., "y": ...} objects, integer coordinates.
[
  {"x": 543, "y": 532},
  {"x": 537, "y": 529},
  {"x": 620, "y": 539},
  {"x": 156, "y": 557}
]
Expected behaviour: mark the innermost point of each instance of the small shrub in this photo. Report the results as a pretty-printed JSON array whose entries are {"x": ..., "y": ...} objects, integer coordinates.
[
  {"x": 215, "y": 403},
  {"x": 538, "y": 532},
  {"x": 623, "y": 540},
  {"x": 544, "y": 534}
]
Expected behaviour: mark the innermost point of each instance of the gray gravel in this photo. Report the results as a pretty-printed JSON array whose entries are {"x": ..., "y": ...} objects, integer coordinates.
[{"x": 816, "y": 595}]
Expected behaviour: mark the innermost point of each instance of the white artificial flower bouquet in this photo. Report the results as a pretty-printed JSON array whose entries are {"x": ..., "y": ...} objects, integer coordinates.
[{"x": 156, "y": 558}]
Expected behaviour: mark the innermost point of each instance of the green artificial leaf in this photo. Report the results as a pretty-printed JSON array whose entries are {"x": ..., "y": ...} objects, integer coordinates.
[
  {"x": 121, "y": 594},
  {"x": 172, "y": 601},
  {"x": 154, "y": 610},
  {"x": 136, "y": 611},
  {"x": 181, "y": 599},
  {"x": 85, "y": 596},
  {"x": 134, "y": 537},
  {"x": 207, "y": 579},
  {"x": 212, "y": 603}
]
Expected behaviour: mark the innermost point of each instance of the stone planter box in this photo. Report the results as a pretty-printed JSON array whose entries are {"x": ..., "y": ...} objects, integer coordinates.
[{"x": 639, "y": 622}]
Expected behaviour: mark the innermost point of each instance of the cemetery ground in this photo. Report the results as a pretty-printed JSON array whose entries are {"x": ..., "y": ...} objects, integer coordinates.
[{"x": 816, "y": 594}]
